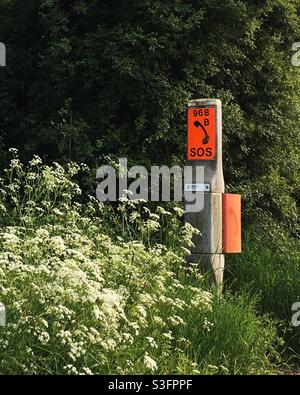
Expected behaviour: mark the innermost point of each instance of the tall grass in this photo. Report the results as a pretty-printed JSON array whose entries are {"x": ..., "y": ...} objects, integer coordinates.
[
  {"x": 239, "y": 340},
  {"x": 269, "y": 268},
  {"x": 95, "y": 289}
]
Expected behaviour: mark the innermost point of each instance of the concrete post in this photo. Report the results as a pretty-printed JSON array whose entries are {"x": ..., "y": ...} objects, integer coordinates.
[{"x": 205, "y": 149}]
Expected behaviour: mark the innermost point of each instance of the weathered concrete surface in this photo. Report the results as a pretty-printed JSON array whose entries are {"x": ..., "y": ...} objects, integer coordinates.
[
  {"x": 208, "y": 223},
  {"x": 208, "y": 245}
]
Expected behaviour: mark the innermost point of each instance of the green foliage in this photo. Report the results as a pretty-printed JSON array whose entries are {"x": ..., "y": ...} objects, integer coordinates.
[
  {"x": 269, "y": 268},
  {"x": 88, "y": 79},
  {"x": 239, "y": 341},
  {"x": 85, "y": 296}
]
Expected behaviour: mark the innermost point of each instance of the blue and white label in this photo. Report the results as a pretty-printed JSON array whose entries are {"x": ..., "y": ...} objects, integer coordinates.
[{"x": 197, "y": 187}]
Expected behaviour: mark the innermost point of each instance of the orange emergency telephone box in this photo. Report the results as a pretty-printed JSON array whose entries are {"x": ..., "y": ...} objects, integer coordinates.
[{"x": 231, "y": 212}]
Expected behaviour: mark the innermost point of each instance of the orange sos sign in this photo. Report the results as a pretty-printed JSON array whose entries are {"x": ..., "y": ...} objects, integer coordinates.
[{"x": 202, "y": 133}]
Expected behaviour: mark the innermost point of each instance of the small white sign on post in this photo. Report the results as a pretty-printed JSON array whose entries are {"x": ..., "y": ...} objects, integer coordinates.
[
  {"x": 2, "y": 55},
  {"x": 197, "y": 187}
]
